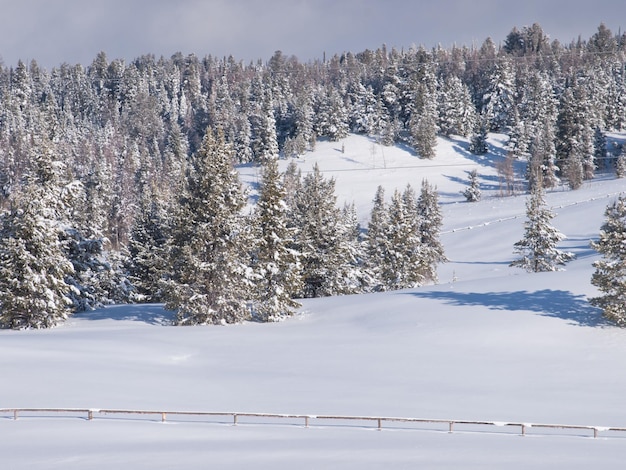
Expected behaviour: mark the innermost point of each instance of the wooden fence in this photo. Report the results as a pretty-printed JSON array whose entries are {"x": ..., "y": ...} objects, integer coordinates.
[{"x": 377, "y": 422}]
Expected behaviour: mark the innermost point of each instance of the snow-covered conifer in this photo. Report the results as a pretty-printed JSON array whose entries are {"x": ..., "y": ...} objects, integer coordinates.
[
  {"x": 276, "y": 264},
  {"x": 33, "y": 265},
  {"x": 377, "y": 241},
  {"x": 610, "y": 274},
  {"x": 430, "y": 222},
  {"x": 318, "y": 235},
  {"x": 209, "y": 280},
  {"x": 538, "y": 248},
  {"x": 472, "y": 193},
  {"x": 146, "y": 264}
]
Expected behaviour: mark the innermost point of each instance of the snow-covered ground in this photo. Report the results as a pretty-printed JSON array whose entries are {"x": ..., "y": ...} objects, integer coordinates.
[{"x": 489, "y": 342}]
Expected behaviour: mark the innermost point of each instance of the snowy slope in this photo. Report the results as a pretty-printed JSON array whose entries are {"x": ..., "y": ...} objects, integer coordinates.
[{"x": 489, "y": 342}]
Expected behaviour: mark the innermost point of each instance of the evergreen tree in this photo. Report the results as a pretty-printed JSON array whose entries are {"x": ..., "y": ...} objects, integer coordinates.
[
  {"x": 355, "y": 277},
  {"x": 538, "y": 247},
  {"x": 208, "y": 279},
  {"x": 33, "y": 265},
  {"x": 429, "y": 228},
  {"x": 457, "y": 114},
  {"x": 575, "y": 137},
  {"x": 499, "y": 101},
  {"x": 472, "y": 193},
  {"x": 319, "y": 235},
  {"x": 478, "y": 141},
  {"x": 610, "y": 274},
  {"x": 620, "y": 164},
  {"x": 404, "y": 258},
  {"x": 146, "y": 265},
  {"x": 423, "y": 126},
  {"x": 599, "y": 148},
  {"x": 276, "y": 265},
  {"x": 377, "y": 242},
  {"x": 331, "y": 116}
]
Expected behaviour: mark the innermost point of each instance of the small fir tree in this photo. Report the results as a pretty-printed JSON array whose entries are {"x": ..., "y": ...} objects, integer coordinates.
[
  {"x": 538, "y": 248},
  {"x": 472, "y": 193},
  {"x": 610, "y": 274}
]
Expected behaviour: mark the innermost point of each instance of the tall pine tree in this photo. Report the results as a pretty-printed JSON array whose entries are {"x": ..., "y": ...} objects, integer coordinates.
[
  {"x": 209, "y": 280},
  {"x": 276, "y": 264},
  {"x": 33, "y": 265},
  {"x": 610, "y": 274}
]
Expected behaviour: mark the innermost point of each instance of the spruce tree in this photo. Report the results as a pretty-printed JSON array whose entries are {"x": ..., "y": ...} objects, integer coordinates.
[
  {"x": 377, "y": 242},
  {"x": 478, "y": 142},
  {"x": 276, "y": 264},
  {"x": 209, "y": 281},
  {"x": 429, "y": 228},
  {"x": 146, "y": 264},
  {"x": 318, "y": 235},
  {"x": 472, "y": 193},
  {"x": 538, "y": 248},
  {"x": 33, "y": 265},
  {"x": 423, "y": 124},
  {"x": 620, "y": 164},
  {"x": 610, "y": 274}
]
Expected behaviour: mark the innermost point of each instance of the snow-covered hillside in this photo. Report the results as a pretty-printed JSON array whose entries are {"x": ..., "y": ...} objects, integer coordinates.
[{"x": 489, "y": 342}]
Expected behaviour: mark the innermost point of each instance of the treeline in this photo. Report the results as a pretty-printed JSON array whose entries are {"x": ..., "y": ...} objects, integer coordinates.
[{"x": 127, "y": 134}]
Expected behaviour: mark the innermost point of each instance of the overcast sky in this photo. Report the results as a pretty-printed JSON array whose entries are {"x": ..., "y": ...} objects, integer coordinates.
[{"x": 74, "y": 31}]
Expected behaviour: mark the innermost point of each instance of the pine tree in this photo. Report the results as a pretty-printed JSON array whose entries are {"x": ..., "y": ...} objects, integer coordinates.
[
  {"x": 575, "y": 155},
  {"x": 610, "y": 274},
  {"x": 423, "y": 126},
  {"x": 478, "y": 141},
  {"x": 377, "y": 241},
  {"x": 276, "y": 265},
  {"x": 209, "y": 279},
  {"x": 33, "y": 265},
  {"x": 620, "y": 164},
  {"x": 538, "y": 247},
  {"x": 403, "y": 260},
  {"x": 318, "y": 235},
  {"x": 499, "y": 101},
  {"x": 472, "y": 193},
  {"x": 457, "y": 114},
  {"x": 146, "y": 265},
  {"x": 429, "y": 228}
]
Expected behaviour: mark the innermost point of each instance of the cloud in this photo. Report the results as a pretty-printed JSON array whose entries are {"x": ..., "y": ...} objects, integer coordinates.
[{"x": 56, "y": 31}]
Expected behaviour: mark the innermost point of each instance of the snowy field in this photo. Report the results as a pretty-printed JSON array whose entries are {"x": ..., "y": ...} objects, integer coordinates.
[{"x": 489, "y": 342}]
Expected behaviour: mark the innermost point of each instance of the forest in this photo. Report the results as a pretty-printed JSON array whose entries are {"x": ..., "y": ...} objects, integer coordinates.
[{"x": 118, "y": 180}]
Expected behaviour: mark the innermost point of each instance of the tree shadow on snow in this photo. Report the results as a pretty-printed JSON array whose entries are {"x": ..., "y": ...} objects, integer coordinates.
[
  {"x": 547, "y": 302},
  {"x": 151, "y": 314}
]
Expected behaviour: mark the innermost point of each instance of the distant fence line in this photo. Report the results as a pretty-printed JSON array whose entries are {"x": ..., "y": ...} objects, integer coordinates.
[{"x": 307, "y": 420}]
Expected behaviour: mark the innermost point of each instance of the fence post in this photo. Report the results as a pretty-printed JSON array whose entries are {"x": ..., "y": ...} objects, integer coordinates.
[
  {"x": 380, "y": 424},
  {"x": 595, "y": 433},
  {"x": 235, "y": 419},
  {"x": 163, "y": 416},
  {"x": 450, "y": 426},
  {"x": 523, "y": 429},
  {"x": 306, "y": 421},
  {"x": 14, "y": 415},
  {"x": 89, "y": 415}
]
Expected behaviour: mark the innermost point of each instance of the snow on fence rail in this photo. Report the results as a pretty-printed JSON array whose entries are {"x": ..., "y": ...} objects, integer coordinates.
[{"x": 306, "y": 420}]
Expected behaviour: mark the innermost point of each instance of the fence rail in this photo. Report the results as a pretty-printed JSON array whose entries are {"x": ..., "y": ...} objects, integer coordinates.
[{"x": 308, "y": 420}]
